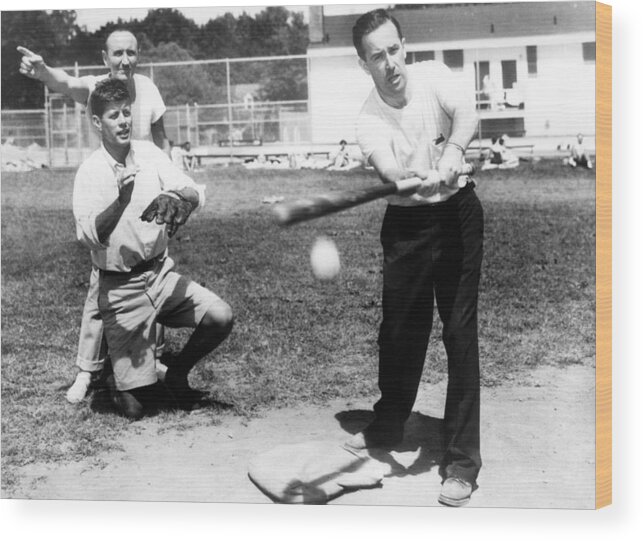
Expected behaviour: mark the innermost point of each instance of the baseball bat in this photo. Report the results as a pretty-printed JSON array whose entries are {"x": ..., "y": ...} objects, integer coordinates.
[{"x": 309, "y": 208}]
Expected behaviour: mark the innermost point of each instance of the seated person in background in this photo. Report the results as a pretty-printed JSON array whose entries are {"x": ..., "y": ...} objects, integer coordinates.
[
  {"x": 176, "y": 154},
  {"x": 494, "y": 155},
  {"x": 189, "y": 159},
  {"x": 495, "y": 152},
  {"x": 342, "y": 160},
  {"x": 509, "y": 159},
  {"x": 579, "y": 154},
  {"x": 500, "y": 157},
  {"x": 128, "y": 201}
]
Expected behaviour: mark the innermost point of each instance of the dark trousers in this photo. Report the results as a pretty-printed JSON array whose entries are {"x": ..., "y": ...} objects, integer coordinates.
[{"x": 433, "y": 252}]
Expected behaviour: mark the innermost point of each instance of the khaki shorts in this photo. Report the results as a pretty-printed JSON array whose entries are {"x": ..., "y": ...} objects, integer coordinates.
[{"x": 130, "y": 305}]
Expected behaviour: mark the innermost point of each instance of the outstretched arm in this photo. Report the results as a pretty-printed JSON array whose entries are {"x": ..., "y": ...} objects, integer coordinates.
[
  {"x": 158, "y": 136},
  {"x": 33, "y": 66}
]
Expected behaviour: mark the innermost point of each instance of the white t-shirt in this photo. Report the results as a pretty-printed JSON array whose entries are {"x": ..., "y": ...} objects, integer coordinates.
[
  {"x": 416, "y": 133},
  {"x": 147, "y": 107}
]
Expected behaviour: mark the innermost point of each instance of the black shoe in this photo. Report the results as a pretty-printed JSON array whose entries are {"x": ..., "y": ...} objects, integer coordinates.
[
  {"x": 182, "y": 396},
  {"x": 126, "y": 402},
  {"x": 375, "y": 436}
]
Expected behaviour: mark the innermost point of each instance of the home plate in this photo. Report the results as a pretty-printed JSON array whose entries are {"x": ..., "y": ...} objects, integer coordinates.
[{"x": 314, "y": 472}]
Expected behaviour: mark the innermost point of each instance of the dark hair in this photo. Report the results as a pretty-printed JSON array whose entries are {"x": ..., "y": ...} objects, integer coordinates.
[
  {"x": 343, "y": 142},
  {"x": 107, "y": 91},
  {"x": 369, "y": 22}
]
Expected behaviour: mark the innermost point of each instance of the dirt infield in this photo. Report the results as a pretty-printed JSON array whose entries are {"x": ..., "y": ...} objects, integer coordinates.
[{"x": 537, "y": 446}]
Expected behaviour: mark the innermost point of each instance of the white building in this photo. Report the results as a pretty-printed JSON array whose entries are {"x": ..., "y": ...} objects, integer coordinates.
[{"x": 530, "y": 65}]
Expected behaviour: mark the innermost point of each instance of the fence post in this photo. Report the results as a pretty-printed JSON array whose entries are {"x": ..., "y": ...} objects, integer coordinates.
[
  {"x": 476, "y": 72},
  {"x": 78, "y": 119},
  {"x": 196, "y": 124},
  {"x": 227, "y": 72},
  {"x": 187, "y": 122},
  {"x": 66, "y": 133},
  {"x": 309, "y": 102},
  {"x": 48, "y": 127}
]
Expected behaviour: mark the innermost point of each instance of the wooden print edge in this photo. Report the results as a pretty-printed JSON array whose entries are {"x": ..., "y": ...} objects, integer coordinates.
[{"x": 603, "y": 255}]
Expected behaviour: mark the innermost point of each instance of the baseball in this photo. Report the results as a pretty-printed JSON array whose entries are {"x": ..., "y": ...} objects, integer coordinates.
[{"x": 324, "y": 259}]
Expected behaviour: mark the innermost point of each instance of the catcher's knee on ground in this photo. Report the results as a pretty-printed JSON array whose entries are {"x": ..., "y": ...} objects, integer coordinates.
[{"x": 133, "y": 403}]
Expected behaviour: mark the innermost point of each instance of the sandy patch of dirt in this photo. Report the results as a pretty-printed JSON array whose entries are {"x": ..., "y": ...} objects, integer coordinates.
[{"x": 538, "y": 450}]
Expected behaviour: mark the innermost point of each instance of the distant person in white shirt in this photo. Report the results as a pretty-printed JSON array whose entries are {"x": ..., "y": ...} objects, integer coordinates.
[
  {"x": 120, "y": 55},
  {"x": 128, "y": 200},
  {"x": 578, "y": 154}
]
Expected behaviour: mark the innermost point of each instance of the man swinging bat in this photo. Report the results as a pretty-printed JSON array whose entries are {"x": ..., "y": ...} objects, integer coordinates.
[{"x": 415, "y": 120}]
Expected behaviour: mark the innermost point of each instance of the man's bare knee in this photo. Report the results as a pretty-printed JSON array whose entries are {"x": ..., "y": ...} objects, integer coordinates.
[{"x": 218, "y": 317}]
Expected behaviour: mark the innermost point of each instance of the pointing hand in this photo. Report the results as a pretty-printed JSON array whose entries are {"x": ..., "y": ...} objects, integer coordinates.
[{"x": 32, "y": 65}]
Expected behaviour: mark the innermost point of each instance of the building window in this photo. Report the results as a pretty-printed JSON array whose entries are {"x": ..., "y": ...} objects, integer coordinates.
[
  {"x": 421, "y": 56},
  {"x": 589, "y": 51},
  {"x": 532, "y": 60},
  {"x": 454, "y": 58}
]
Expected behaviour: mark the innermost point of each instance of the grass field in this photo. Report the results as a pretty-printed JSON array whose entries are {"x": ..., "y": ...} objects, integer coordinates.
[{"x": 296, "y": 340}]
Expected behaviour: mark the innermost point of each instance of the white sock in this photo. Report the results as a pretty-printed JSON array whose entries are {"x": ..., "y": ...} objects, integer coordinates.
[
  {"x": 80, "y": 387},
  {"x": 161, "y": 369}
]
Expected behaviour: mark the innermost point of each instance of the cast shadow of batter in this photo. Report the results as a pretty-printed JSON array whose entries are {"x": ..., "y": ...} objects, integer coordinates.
[{"x": 422, "y": 435}]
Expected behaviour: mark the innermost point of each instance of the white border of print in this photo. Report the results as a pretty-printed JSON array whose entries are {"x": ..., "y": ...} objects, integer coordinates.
[{"x": 54, "y": 520}]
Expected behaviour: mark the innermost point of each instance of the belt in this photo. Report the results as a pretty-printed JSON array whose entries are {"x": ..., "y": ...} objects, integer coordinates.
[{"x": 142, "y": 267}]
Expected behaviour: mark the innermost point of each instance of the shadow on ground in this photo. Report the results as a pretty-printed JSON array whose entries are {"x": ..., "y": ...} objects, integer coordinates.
[
  {"x": 161, "y": 400},
  {"x": 422, "y": 440}
]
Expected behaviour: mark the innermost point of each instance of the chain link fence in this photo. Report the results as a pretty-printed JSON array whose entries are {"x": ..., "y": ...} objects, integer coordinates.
[
  {"x": 226, "y": 108},
  {"x": 213, "y": 103}
]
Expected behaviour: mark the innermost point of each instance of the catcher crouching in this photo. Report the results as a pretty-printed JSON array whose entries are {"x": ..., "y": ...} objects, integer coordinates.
[{"x": 129, "y": 199}]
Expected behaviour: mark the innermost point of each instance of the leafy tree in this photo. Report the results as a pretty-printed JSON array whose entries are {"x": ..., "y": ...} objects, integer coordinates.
[
  {"x": 164, "y": 35},
  {"x": 219, "y": 38},
  {"x": 169, "y": 25},
  {"x": 46, "y": 33},
  {"x": 285, "y": 81},
  {"x": 183, "y": 84}
]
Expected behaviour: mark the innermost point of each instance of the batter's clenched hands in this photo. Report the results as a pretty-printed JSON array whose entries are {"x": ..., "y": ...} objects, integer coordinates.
[
  {"x": 32, "y": 65},
  {"x": 430, "y": 183}
]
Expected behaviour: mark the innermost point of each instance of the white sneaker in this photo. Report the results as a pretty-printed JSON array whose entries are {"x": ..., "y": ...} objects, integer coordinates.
[{"x": 79, "y": 388}]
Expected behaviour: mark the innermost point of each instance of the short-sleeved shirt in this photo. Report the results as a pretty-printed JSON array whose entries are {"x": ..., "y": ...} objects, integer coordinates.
[
  {"x": 95, "y": 188},
  {"x": 423, "y": 123},
  {"x": 147, "y": 105}
]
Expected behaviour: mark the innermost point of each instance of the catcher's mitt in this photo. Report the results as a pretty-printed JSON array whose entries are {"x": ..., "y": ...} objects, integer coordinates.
[{"x": 168, "y": 208}]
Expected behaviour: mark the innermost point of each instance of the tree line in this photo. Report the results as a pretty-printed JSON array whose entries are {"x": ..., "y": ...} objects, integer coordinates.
[{"x": 165, "y": 35}]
